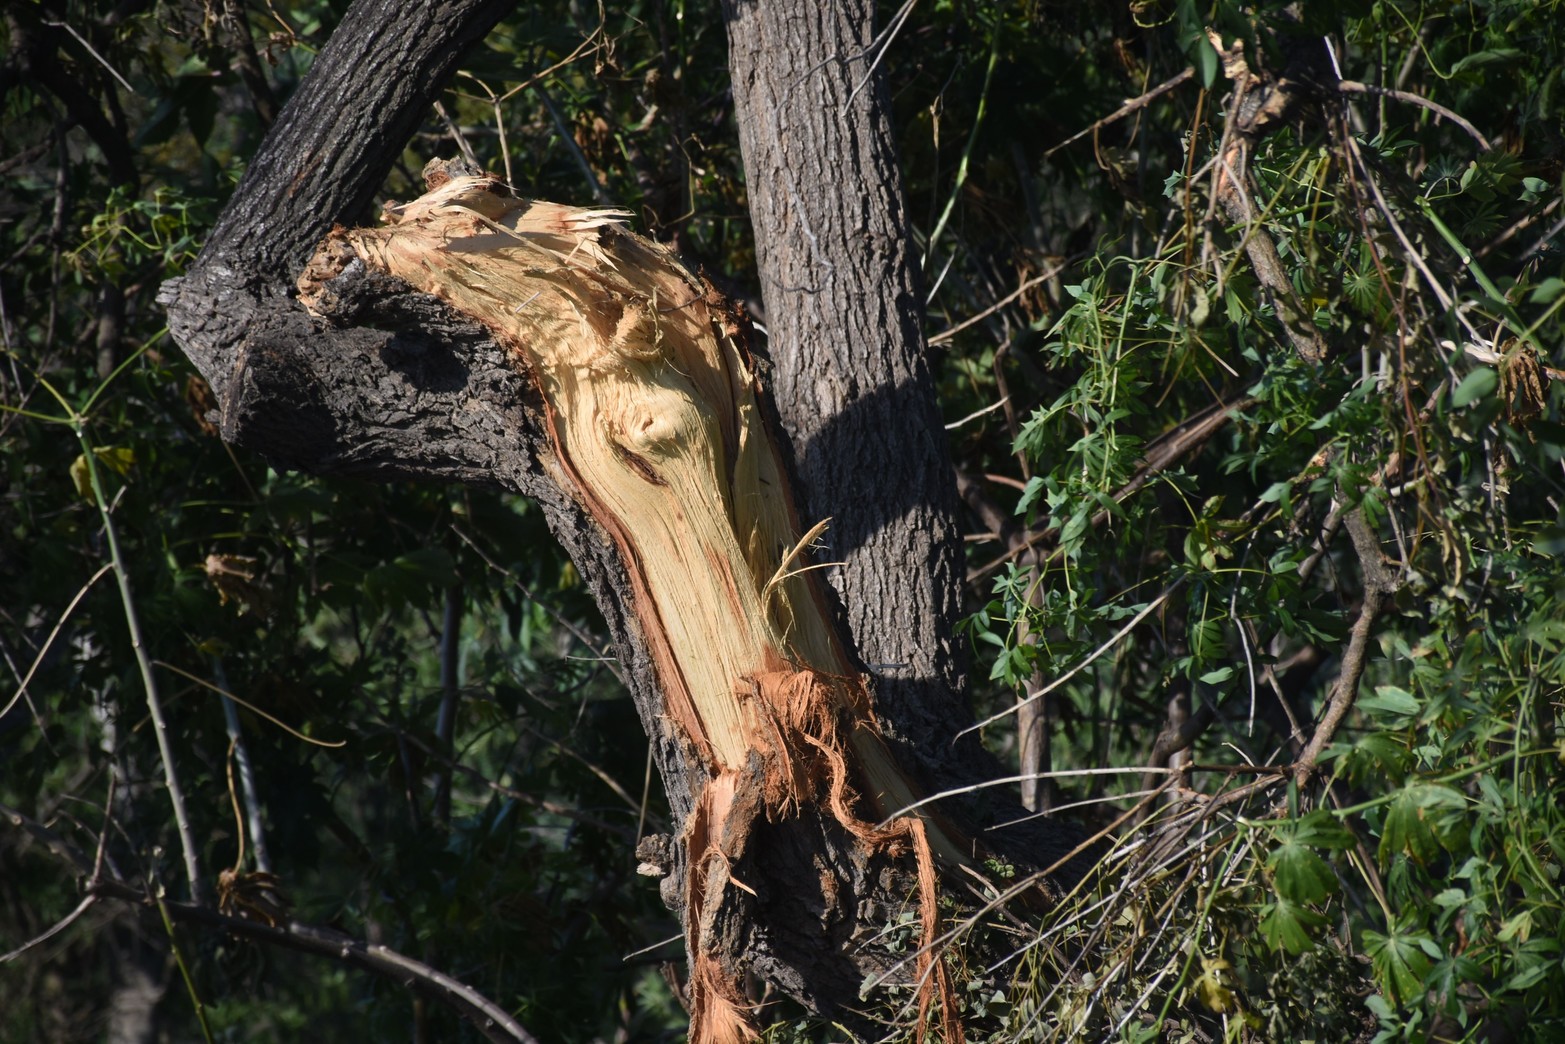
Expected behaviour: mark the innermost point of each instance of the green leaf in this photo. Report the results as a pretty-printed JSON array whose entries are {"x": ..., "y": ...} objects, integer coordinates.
[
  {"x": 1321, "y": 829},
  {"x": 1488, "y": 57},
  {"x": 1207, "y": 60},
  {"x": 1299, "y": 874},
  {"x": 1390, "y": 702},
  {"x": 1410, "y": 818},
  {"x": 1546, "y": 291},
  {"x": 1029, "y": 494},
  {"x": 1385, "y": 751},
  {"x": 1399, "y": 961},
  {"x": 1275, "y": 492},
  {"x": 1475, "y": 386},
  {"x": 1288, "y": 926}
]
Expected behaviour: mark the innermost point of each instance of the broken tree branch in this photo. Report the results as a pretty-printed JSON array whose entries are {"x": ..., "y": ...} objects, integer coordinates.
[
  {"x": 493, "y": 1021},
  {"x": 1379, "y": 584},
  {"x": 652, "y": 411}
]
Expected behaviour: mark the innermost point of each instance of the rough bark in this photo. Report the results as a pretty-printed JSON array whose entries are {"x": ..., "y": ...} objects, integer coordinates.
[
  {"x": 845, "y": 328},
  {"x": 387, "y": 383},
  {"x": 854, "y": 387},
  {"x": 651, "y": 409}
]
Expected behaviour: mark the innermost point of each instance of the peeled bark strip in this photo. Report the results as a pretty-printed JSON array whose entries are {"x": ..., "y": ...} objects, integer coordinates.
[{"x": 652, "y": 409}]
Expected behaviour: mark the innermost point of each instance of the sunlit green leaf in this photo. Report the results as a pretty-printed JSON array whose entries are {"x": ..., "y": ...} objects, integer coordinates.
[{"x": 1474, "y": 386}]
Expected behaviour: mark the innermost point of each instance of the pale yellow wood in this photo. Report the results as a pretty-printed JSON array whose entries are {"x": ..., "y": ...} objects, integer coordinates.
[
  {"x": 655, "y": 417},
  {"x": 656, "y": 424}
]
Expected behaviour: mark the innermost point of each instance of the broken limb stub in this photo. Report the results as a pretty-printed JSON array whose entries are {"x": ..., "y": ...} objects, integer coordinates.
[{"x": 652, "y": 410}]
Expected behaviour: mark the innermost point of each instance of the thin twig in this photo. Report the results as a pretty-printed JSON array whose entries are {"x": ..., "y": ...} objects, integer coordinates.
[
  {"x": 241, "y": 751},
  {"x": 176, "y": 794},
  {"x": 551, "y": 807},
  {"x": 1113, "y": 640},
  {"x": 457, "y": 136},
  {"x": 599, "y": 194},
  {"x": 881, "y": 44},
  {"x": 50, "y": 839},
  {"x": 978, "y": 413},
  {"x": 950, "y": 332},
  {"x": 492, "y": 1020},
  {"x": 588, "y": 44},
  {"x": 1124, "y": 110},
  {"x": 967, "y": 152},
  {"x": 94, "y": 52},
  {"x": 1379, "y": 583},
  {"x": 58, "y": 927},
  {"x": 21, "y": 690},
  {"x": 612, "y": 662},
  {"x": 1006, "y": 780},
  {"x": 1019, "y": 888},
  {"x": 1354, "y": 87},
  {"x": 247, "y": 705}
]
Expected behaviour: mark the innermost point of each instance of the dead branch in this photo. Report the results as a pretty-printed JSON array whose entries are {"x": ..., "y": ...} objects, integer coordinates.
[
  {"x": 1126, "y": 109},
  {"x": 1259, "y": 103},
  {"x": 1354, "y": 87},
  {"x": 1379, "y": 584},
  {"x": 493, "y": 1021}
]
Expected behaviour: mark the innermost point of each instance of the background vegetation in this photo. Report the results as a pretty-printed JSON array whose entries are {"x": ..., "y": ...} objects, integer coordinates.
[{"x": 1189, "y": 540}]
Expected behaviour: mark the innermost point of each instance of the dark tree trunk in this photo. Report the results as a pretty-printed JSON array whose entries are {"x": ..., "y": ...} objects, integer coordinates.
[
  {"x": 854, "y": 388},
  {"x": 398, "y": 385},
  {"x": 407, "y": 389},
  {"x": 845, "y": 329}
]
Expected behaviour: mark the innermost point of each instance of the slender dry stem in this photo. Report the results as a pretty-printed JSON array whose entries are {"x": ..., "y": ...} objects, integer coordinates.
[{"x": 149, "y": 682}]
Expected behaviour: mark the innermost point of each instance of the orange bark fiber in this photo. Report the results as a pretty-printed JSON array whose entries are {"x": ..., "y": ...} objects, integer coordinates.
[{"x": 652, "y": 403}]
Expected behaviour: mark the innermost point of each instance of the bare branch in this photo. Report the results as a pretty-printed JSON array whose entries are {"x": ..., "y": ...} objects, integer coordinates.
[
  {"x": 1379, "y": 583},
  {"x": 493, "y": 1021},
  {"x": 50, "y": 839},
  {"x": 55, "y": 929},
  {"x": 21, "y": 690},
  {"x": 176, "y": 794},
  {"x": 1125, "y": 110},
  {"x": 1354, "y": 87},
  {"x": 947, "y": 334}
]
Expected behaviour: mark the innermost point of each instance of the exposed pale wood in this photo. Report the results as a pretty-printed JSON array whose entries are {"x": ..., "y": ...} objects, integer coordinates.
[
  {"x": 395, "y": 385},
  {"x": 653, "y": 409}
]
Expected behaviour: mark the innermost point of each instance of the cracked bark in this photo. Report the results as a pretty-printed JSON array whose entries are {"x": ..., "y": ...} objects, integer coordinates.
[{"x": 388, "y": 383}]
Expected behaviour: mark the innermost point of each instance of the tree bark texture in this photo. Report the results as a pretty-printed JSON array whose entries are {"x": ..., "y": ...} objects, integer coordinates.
[
  {"x": 854, "y": 388},
  {"x": 652, "y": 413},
  {"x": 383, "y": 382},
  {"x": 845, "y": 329}
]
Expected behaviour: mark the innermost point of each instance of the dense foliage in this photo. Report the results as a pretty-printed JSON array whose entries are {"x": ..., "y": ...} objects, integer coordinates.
[{"x": 1255, "y": 420}]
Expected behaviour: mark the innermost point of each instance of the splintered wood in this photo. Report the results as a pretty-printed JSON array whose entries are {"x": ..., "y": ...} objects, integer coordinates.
[{"x": 658, "y": 434}]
